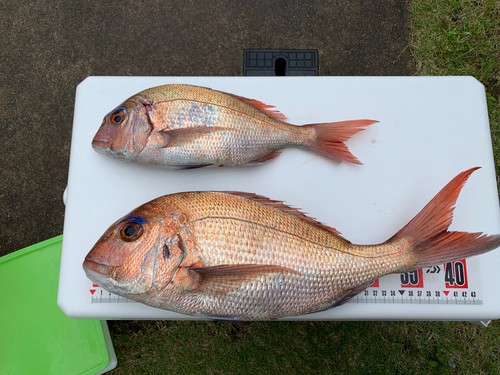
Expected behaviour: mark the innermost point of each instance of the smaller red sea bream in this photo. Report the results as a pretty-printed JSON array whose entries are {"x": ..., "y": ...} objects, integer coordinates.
[
  {"x": 242, "y": 256},
  {"x": 183, "y": 126}
]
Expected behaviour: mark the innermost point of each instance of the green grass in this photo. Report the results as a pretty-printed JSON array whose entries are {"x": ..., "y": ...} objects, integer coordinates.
[
  {"x": 449, "y": 37},
  {"x": 461, "y": 37},
  {"x": 188, "y": 347}
]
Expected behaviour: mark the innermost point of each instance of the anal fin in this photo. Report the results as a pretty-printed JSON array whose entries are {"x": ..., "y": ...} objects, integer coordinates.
[
  {"x": 189, "y": 166},
  {"x": 225, "y": 318},
  {"x": 269, "y": 156},
  {"x": 352, "y": 293}
]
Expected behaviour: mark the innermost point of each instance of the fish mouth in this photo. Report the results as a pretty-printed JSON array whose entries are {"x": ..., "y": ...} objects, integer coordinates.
[
  {"x": 105, "y": 136},
  {"x": 96, "y": 270},
  {"x": 101, "y": 146}
]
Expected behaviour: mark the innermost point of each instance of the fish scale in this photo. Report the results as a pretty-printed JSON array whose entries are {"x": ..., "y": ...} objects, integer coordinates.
[
  {"x": 227, "y": 205},
  {"x": 243, "y": 256},
  {"x": 244, "y": 138},
  {"x": 275, "y": 238}
]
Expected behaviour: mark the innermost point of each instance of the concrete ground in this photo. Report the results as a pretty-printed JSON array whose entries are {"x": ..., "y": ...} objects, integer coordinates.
[{"x": 48, "y": 47}]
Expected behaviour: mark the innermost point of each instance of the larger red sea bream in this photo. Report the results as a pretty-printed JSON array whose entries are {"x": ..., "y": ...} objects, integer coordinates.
[{"x": 242, "y": 256}]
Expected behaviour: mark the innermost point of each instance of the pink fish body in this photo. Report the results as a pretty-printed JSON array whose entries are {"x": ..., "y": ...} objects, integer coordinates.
[
  {"x": 242, "y": 256},
  {"x": 183, "y": 126}
]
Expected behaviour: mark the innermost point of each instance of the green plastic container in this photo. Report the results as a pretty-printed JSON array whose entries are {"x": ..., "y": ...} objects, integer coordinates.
[{"x": 35, "y": 335}]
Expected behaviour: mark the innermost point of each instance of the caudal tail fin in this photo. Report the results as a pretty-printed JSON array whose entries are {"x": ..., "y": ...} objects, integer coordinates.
[
  {"x": 330, "y": 138},
  {"x": 428, "y": 231}
]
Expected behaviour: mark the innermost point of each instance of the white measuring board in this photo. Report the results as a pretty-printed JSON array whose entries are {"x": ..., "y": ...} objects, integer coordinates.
[
  {"x": 430, "y": 129},
  {"x": 446, "y": 284}
]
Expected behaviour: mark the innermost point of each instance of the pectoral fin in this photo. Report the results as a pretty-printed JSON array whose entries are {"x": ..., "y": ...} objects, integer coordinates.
[
  {"x": 179, "y": 137},
  {"x": 226, "y": 278}
]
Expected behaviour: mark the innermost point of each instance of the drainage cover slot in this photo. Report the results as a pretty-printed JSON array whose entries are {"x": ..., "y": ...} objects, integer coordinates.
[
  {"x": 280, "y": 67},
  {"x": 280, "y": 62}
]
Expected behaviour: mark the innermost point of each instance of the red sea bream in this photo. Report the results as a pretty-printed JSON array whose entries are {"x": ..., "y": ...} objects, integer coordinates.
[
  {"x": 242, "y": 256},
  {"x": 182, "y": 126}
]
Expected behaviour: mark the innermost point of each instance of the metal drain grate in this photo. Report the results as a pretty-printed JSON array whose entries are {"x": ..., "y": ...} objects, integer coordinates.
[{"x": 280, "y": 62}]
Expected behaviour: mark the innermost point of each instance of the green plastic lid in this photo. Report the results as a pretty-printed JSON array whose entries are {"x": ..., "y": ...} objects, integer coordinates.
[{"x": 35, "y": 336}]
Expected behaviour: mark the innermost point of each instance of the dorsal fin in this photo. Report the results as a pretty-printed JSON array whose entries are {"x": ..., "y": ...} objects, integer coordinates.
[
  {"x": 285, "y": 208},
  {"x": 264, "y": 108},
  {"x": 166, "y": 93}
]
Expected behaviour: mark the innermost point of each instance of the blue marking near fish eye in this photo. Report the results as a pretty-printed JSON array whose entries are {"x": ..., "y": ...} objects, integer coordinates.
[{"x": 136, "y": 219}]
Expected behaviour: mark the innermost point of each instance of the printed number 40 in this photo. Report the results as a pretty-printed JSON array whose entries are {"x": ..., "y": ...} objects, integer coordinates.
[{"x": 455, "y": 274}]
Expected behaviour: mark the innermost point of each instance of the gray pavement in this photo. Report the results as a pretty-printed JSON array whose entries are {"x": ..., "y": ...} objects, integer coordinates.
[{"x": 48, "y": 47}]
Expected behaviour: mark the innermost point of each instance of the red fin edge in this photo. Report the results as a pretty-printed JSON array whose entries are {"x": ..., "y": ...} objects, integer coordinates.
[
  {"x": 437, "y": 215},
  {"x": 428, "y": 231},
  {"x": 264, "y": 108},
  {"x": 331, "y": 135},
  {"x": 285, "y": 208},
  {"x": 271, "y": 155}
]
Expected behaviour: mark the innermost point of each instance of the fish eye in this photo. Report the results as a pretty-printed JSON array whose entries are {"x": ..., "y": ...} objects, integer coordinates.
[
  {"x": 117, "y": 116},
  {"x": 130, "y": 231}
]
